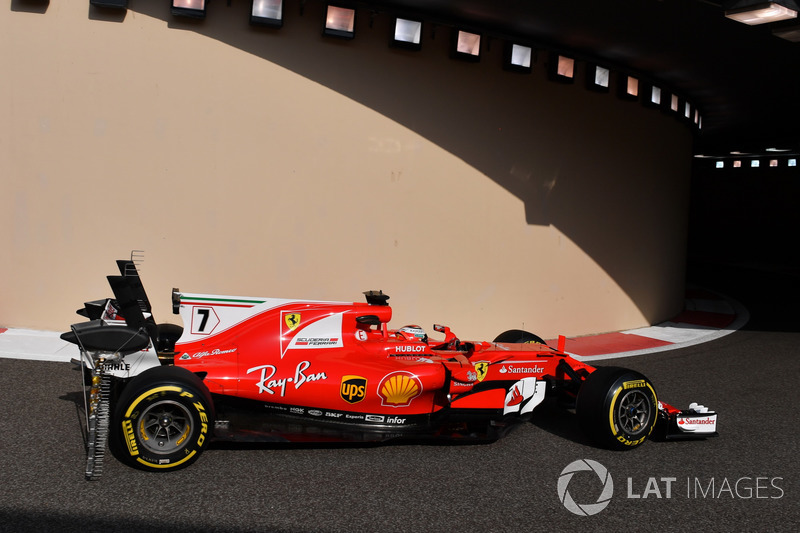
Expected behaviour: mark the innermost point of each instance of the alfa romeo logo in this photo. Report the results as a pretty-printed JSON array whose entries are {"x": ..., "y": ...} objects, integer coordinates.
[{"x": 585, "y": 509}]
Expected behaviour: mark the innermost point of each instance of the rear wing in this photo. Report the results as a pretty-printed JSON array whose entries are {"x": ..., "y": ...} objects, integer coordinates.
[
  {"x": 130, "y": 305},
  {"x": 130, "y": 283}
]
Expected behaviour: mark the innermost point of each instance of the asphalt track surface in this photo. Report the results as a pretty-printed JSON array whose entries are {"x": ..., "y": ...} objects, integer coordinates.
[{"x": 745, "y": 480}]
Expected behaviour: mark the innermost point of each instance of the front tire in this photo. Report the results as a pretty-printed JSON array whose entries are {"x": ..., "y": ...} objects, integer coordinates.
[
  {"x": 617, "y": 408},
  {"x": 163, "y": 420}
]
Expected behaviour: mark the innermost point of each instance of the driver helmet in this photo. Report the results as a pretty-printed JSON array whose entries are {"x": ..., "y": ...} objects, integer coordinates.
[{"x": 412, "y": 333}]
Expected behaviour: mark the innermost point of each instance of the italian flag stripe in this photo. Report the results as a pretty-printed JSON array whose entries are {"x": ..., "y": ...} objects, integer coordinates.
[{"x": 222, "y": 301}]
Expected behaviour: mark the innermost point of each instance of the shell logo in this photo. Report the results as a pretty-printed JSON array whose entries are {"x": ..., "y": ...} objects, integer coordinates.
[{"x": 398, "y": 389}]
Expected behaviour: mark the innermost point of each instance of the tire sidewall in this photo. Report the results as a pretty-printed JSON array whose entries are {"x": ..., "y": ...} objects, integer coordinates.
[
  {"x": 624, "y": 388},
  {"x": 598, "y": 407},
  {"x": 162, "y": 386}
]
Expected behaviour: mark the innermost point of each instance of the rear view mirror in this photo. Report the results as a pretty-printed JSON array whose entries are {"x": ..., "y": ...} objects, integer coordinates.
[{"x": 369, "y": 320}]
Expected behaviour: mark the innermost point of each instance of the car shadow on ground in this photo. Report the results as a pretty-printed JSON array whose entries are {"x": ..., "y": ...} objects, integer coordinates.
[
  {"x": 558, "y": 421},
  {"x": 77, "y": 399}
]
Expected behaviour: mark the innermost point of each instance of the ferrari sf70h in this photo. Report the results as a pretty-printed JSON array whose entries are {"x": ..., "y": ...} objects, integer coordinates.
[{"x": 286, "y": 370}]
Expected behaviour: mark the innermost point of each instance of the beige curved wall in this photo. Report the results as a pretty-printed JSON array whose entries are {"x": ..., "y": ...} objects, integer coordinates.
[{"x": 281, "y": 163}]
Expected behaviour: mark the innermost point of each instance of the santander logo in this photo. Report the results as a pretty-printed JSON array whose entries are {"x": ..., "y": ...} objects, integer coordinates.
[
  {"x": 683, "y": 421},
  {"x": 511, "y": 369},
  {"x": 516, "y": 398}
]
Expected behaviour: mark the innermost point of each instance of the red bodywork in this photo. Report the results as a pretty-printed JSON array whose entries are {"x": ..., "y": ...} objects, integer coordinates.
[{"x": 339, "y": 362}]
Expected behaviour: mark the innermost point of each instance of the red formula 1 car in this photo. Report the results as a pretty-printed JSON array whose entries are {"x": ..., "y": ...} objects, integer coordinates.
[{"x": 281, "y": 370}]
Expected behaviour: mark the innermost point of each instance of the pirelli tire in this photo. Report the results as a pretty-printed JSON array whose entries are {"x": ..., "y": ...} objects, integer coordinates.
[
  {"x": 617, "y": 408},
  {"x": 163, "y": 420}
]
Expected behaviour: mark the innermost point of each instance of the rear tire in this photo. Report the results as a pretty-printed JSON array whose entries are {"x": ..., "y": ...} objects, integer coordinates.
[
  {"x": 163, "y": 420},
  {"x": 519, "y": 336},
  {"x": 617, "y": 408}
]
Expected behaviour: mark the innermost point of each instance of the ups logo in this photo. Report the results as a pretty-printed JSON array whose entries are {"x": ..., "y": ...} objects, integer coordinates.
[{"x": 353, "y": 389}]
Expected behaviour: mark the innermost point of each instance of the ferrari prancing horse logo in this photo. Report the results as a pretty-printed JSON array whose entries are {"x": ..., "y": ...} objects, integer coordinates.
[
  {"x": 481, "y": 368},
  {"x": 292, "y": 320}
]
